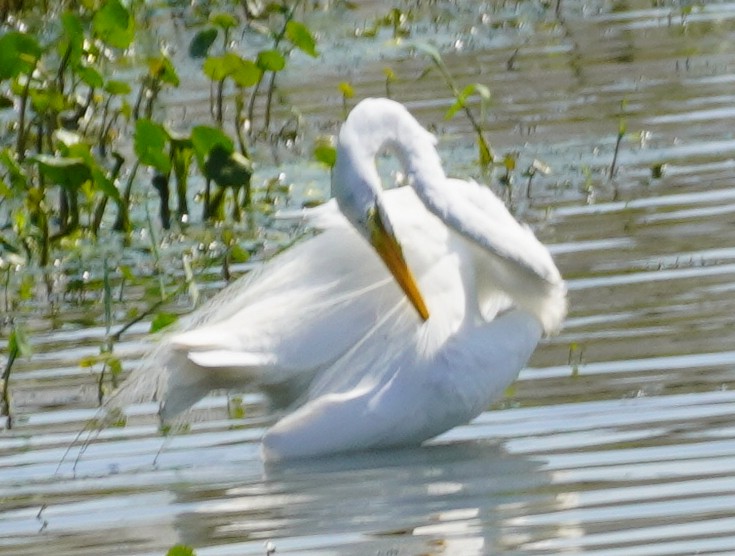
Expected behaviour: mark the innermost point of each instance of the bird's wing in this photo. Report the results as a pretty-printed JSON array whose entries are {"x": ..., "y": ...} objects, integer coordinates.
[
  {"x": 299, "y": 311},
  {"x": 302, "y": 312},
  {"x": 222, "y": 358},
  {"x": 508, "y": 254},
  {"x": 475, "y": 212}
]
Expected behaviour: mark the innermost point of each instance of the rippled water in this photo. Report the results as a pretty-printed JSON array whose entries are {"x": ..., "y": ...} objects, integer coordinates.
[{"x": 619, "y": 438}]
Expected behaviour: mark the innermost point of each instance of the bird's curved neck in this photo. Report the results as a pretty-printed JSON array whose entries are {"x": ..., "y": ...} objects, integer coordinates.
[{"x": 364, "y": 136}]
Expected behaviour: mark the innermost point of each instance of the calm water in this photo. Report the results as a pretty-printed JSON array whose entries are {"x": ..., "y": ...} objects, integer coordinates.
[{"x": 618, "y": 440}]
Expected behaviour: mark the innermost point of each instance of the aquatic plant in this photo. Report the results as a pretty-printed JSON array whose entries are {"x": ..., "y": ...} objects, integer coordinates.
[
  {"x": 250, "y": 73},
  {"x": 461, "y": 98},
  {"x": 180, "y": 550},
  {"x": 75, "y": 134},
  {"x": 347, "y": 91},
  {"x": 622, "y": 130},
  {"x": 18, "y": 346},
  {"x": 65, "y": 150}
]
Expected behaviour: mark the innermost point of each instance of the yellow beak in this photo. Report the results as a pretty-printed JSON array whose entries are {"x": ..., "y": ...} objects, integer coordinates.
[{"x": 387, "y": 246}]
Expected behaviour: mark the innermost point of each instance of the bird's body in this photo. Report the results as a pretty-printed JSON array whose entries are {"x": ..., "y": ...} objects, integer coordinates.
[{"x": 326, "y": 331}]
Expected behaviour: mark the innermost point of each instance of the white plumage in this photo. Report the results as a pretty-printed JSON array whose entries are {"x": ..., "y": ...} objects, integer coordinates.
[{"x": 326, "y": 331}]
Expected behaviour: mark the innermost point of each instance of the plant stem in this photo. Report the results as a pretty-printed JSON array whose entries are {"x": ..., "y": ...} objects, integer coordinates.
[
  {"x": 21, "y": 143},
  {"x": 122, "y": 223},
  {"x": 5, "y": 410},
  {"x": 219, "y": 115},
  {"x": 269, "y": 101},
  {"x": 484, "y": 145},
  {"x": 613, "y": 166},
  {"x": 239, "y": 104}
]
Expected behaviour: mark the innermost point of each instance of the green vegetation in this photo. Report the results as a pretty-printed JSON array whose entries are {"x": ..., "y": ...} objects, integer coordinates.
[
  {"x": 180, "y": 550},
  {"x": 93, "y": 165},
  {"x": 461, "y": 96},
  {"x": 64, "y": 156},
  {"x": 81, "y": 118}
]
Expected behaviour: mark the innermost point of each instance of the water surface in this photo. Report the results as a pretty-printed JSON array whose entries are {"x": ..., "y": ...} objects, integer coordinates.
[{"x": 618, "y": 439}]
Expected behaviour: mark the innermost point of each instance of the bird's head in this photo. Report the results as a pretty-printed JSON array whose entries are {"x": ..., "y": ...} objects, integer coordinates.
[
  {"x": 381, "y": 236},
  {"x": 360, "y": 200}
]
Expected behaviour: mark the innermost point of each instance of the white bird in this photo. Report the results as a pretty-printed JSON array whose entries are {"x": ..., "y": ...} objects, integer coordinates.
[{"x": 326, "y": 331}]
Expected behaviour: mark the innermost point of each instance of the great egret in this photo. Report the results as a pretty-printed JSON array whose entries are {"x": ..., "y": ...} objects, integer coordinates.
[
  {"x": 325, "y": 330},
  {"x": 491, "y": 287}
]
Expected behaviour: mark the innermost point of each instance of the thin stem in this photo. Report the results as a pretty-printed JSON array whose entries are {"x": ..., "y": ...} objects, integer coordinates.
[
  {"x": 21, "y": 144},
  {"x": 613, "y": 166},
  {"x": 251, "y": 104},
  {"x": 164, "y": 299},
  {"x": 122, "y": 223},
  {"x": 219, "y": 115},
  {"x": 6, "y": 412},
  {"x": 269, "y": 101},
  {"x": 239, "y": 104},
  {"x": 484, "y": 145}
]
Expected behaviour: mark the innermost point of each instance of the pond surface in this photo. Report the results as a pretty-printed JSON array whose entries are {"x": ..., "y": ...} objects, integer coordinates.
[{"x": 619, "y": 439}]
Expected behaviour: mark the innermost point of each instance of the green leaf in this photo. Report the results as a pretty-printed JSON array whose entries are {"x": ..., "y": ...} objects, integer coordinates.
[
  {"x": 238, "y": 254},
  {"x": 114, "y": 87},
  {"x": 46, "y": 100},
  {"x": 219, "y": 67},
  {"x": 486, "y": 154},
  {"x": 90, "y": 76},
  {"x": 27, "y": 287},
  {"x": 325, "y": 151},
  {"x": 223, "y": 20},
  {"x": 301, "y": 37},
  {"x": 68, "y": 172},
  {"x": 150, "y": 140},
  {"x": 114, "y": 24},
  {"x": 227, "y": 169},
  {"x": 346, "y": 89},
  {"x": 127, "y": 273},
  {"x": 459, "y": 102},
  {"x": 162, "y": 320},
  {"x": 271, "y": 60},
  {"x": 74, "y": 146},
  {"x": 180, "y": 550},
  {"x": 89, "y": 361},
  {"x": 205, "y": 138},
  {"x": 105, "y": 184},
  {"x": 115, "y": 366},
  {"x": 18, "y": 54},
  {"x": 72, "y": 41},
  {"x": 162, "y": 69},
  {"x": 18, "y": 178},
  {"x": 18, "y": 342},
  {"x": 201, "y": 43},
  {"x": 246, "y": 74}
]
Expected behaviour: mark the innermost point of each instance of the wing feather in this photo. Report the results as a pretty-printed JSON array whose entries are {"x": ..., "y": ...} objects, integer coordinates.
[{"x": 509, "y": 257}]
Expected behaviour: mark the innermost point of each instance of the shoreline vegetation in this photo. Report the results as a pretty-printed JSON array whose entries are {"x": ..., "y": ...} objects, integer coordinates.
[
  {"x": 85, "y": 143},
  {"x": 87, "y": 149}
]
